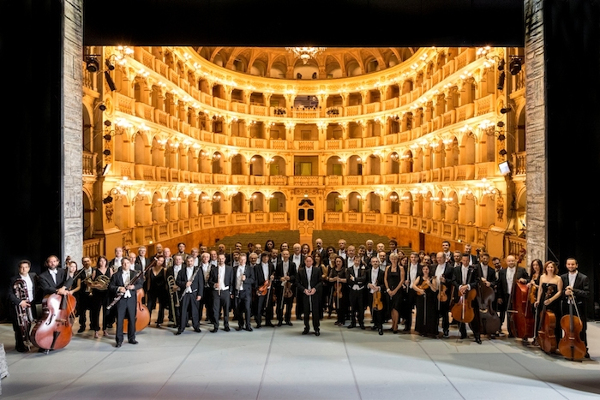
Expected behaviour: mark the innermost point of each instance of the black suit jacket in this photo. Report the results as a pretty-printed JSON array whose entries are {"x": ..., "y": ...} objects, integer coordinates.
[
  {"x": 111, "y": 264},
  {"x": 379, "y": 281},
  {"x": 116, "y": 281},
  {"x": 502, "y": 284},
  {"x": 490, "y": 277},
  {"x": 315, "y": 279},
  {"x": 322, "y": 253},
  {"x": 138, "y": 263},
  {"x": 581, "y": 292},
  {"x": 197, "y": 282},
  {"x": 47, "y": 284},
  {"x": 359, "y": 279},
  {"x": 11, "y": 293},
  {"x": 250, "y": 278},
  {"x": 259, "y": 275},
  {"x": 457, "y": 279},
  {"x": 227, "y": 279}
]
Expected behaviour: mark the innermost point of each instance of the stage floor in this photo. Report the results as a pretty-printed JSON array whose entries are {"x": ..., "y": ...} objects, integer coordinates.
[{"x": 281, "y": 363}]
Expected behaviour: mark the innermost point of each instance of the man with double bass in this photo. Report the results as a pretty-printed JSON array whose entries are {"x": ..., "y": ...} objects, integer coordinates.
[
  {"x": 120, "y": 284},
  {"x": 21, "y": 296},
  {"x": 576, "y": 285},
  {"x": 507, "y": 280}
]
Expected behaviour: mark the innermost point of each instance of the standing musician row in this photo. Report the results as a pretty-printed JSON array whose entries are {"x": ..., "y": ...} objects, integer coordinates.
[{"x": 544, "y": 307}]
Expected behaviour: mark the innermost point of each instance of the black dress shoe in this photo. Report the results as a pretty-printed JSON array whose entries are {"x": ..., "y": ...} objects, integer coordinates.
[
  {"x": 478, "y": 340},
  {"x": 463, "y": 335},
  {"x": 289, "y": 323},
  {"x": 406, "y": 330},
  {"x": 226, "y": 329},
  {"x": 351, "y": 326},
  {"x": 46, "y": 351},
  {"x": 279, "y": 323},
  {"x": 239, "y": 328},
  {"x": 258, "y": 326},
  {"x": 178, "y": 333},
  {"x": 270, "y": 324},
  {"x": 380, "y": 331},
  {"x": 249, "y": 328},
  {"x": 317, "y": 333},
  {"x": 133, "y": 341},
  {"x": 119, "y": 344},
  {"x": 197, "y": 330},
  {"x": 362, "y": 327},
  {"x": 305, "y": 331},
  {"x": 446, "y": 333},
  {"x": 81, "y": 329},
  {"x": 213, "y": 330}
]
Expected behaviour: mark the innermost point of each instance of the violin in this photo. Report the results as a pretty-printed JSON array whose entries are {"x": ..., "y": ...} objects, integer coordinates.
[
  {"x": 264, "y": 288},
  {"x": 424, "y": 285},
  {"x": 571, "y": 346},
  {"x": 442, "y": 295},
  {"x": 463, "y": 311},
  {"x": 55, "y": 329},
  {"x": 377, "y": 303},
  {"x": 546, "y": 337}
]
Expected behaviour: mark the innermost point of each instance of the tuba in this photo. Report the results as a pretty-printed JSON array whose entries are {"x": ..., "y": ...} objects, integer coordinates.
[{"x": 24, "y": 315}]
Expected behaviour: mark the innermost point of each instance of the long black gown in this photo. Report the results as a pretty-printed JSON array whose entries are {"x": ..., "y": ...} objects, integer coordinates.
[{"x": 426, "y": 322}]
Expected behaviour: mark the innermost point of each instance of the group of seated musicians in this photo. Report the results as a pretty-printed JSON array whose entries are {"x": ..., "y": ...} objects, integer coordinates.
[{"x": 266, "y": 283}]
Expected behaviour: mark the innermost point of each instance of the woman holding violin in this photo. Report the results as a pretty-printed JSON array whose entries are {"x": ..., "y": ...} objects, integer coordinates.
[
  {"x": 394, "y": 278},
  {"x": 426, "y": 287},
  {"x": 548, "y": 299},
  {"x": 100, "y": 278},
  {"x": 337, "y": 278}
]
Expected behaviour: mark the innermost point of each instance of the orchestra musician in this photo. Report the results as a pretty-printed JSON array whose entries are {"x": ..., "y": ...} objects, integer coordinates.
[
  {"x": 206, "y": 302},
  {"x": 54, "y": 279},
  {"x": 309, "y": 285},
  {"x": 285, "y": 273},
  {"x": 156, "y": 289},
  {"x": 100, "y": 296},
  {"x": 465, "y": 278},
  {"x": 84, "y": 302},
  {"x": 244, "y": 281},
  {"x": 394, "y": 278},
  {"x": 221, "y": 281},
  {"x": 426, "y": 318},
  {"x": 444, "y": 273},
  {"x": 413, "y": 270},
  {"x": 375, "y": 283},
  {"x": 190, "y": 281},
  {"x": 172, "y": 273},
  {"x": 126, "y": 306},
  {"x": 507, "y": 279},
  {"x": 357, "y": 278},
  {"x": 26, "y": 304},
  {"x": 337, "y": 279},
  {"x": 577, "y": 285},
  {"x": 264, "y": 272}
]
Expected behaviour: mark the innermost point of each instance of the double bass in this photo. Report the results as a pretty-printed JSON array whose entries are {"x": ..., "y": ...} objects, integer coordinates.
[
  {"x": 571, "y": 346},
  {"x": 521, "y": 321},
  {"x": 545, "y": 335},
  {"x": 55, "y": 329},
  {"x": 490, "y": 321}
]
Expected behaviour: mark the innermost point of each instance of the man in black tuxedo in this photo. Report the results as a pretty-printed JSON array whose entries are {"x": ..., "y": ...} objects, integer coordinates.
[
  {"x": 507, "y": 280},
  {"x": 577, "y": 285},
  {"x": 126, "y": 306},
  {"x": 264, "y": 271},
  {"x": 319, "y": 249},
  {"x": 285, "y": 273},
  {"x": 444, "y": 273},
  {"x": 465, "y": 279},
  {"x": 221, "y": 281},
  {"x": 356, "y": 279},
  {"x": 243, "y": 276},
  {"x": 115, "y": 263},
  {"x": 309, "y": 286},
  {"x": 472, "y": 259},
  {"x": 54, "y": 279},
  {"x": 413, "y": 269},
  {"x": 190, "y": 281},
  {"x": 141, "y": 260},
  {"x": 298, "y": 259},
  {"x": 24, "y": 303}
]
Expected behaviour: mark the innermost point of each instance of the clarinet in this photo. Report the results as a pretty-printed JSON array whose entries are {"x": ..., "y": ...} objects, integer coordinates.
[
  {"x": 198, "y": 268},
  {"x": 131, "y": 282}
]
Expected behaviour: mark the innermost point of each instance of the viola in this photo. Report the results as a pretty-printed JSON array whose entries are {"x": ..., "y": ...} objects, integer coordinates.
[
  {"x": 571, "y": 346},
  {"x": 425, "y": 284},
  {"x": 545, "y": 336},
  {"x": 442, "y": 295},
  {"x": 142, "y": 315},
  {"x": 490, "y": 321},
  {"x": 463, "y": 311},
  {"x": 377, "y": 303},
  {"x": 264, "y": 288},
  {"x": 521, "y": 318},
  {"x": 55, "y": 329}
]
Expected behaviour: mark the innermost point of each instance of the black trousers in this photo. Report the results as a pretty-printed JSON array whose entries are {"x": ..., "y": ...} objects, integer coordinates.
[
  {"x": 311, "y": 305},
  {"x": 99, "y": 303},
  {"x": 84, "y": 304},
  {"x": 264, "y": 303},
  {"x": 126, "y": 307},
  {"x": 221, "y": 301},
  {"x": 357, "y": 306},
  {"x": 286, "y": 305},
  {"x": 207, "y": 302},
  {"x": 443, "y": 309},
  {"x": 189, "y": 308},
  {"x": 242, "y": 309},
  {"x": 154, "y": 297}
]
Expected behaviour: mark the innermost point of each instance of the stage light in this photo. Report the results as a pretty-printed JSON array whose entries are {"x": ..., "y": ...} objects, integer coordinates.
[
  {"x": 91, "y": 64},
  {"x": 109, "y": 81},
  {"x": 502, "y": 152},
  {"x": 506, "y": 109},
  {"x": 515, "y": 65},
  {"x": 501, "y": 80}
]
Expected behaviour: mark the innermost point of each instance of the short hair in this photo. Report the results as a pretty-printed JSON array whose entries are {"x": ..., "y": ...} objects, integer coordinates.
[
  {"x": 180, "y": 243},
  {"x": 394, "y": 242},
  {"x": 25, "y": 262},
  {"x": 445, "y": 241}
]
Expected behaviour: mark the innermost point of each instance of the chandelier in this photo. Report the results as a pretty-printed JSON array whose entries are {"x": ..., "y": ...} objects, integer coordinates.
[{"x": 305, "y": 53}]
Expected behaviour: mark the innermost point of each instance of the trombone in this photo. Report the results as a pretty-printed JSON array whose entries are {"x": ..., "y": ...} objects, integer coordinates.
[{"x": 172, "y": 291}]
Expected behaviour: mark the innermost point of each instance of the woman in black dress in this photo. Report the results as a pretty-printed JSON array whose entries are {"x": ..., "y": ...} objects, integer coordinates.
[
  {"x": 426, "y": 321},
  {"x": 551, "y": 286},
  {"x": 100, "y": 295},
  {"x": 339, "y": 293},
  {"x": 533, "y": 288},
  {"x": 156, "y": 289},
  {"x": 394, "y": 278}
]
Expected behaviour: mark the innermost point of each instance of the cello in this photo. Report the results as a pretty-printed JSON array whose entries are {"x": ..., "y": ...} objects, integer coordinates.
[
  {"x": 571, "y": 346},
  {"x": 545, "y": 335},
  {"x": 54, "y": 330},
  {"x": 463, "y": 311}
]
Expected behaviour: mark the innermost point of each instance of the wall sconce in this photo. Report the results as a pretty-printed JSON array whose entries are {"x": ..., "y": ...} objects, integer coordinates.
[
  {"x": 502, "y": 152},
  {"x": 394, "y": 198},
  {"x": 216, "y": 198}
]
